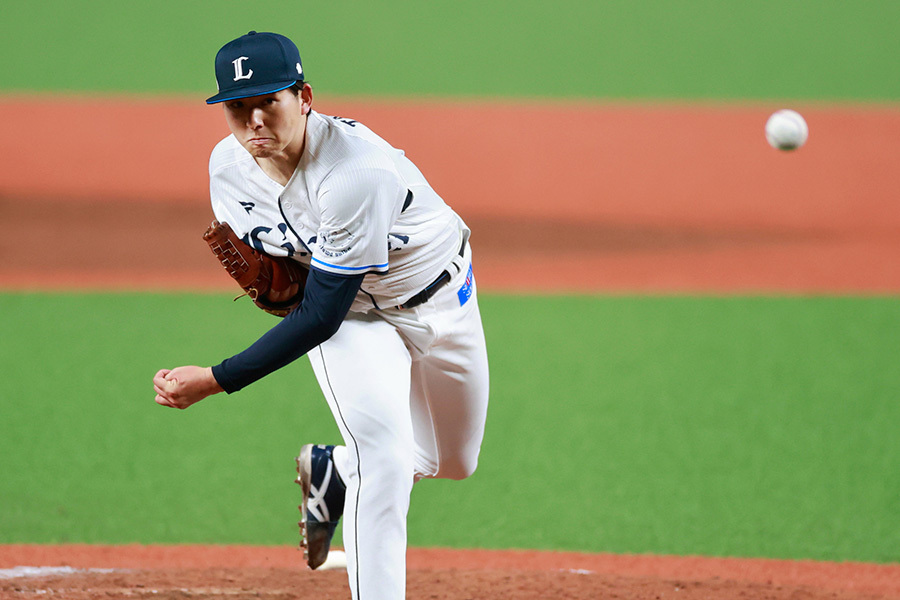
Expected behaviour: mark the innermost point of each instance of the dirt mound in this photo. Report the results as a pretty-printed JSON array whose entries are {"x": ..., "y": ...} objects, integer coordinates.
[{"x": 206, "y": 572}]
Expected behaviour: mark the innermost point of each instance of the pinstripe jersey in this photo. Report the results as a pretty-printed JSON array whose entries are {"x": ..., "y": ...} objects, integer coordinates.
[{"x": 354, "y": 205}]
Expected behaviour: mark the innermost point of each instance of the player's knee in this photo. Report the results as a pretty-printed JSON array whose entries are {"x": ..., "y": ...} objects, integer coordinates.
[
  {"x": 457, "y": 468},
  {"x": 393, "y": 463}
]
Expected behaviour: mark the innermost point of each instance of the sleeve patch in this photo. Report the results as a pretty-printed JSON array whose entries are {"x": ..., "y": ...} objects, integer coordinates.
[{"x": 335, "y": 242}]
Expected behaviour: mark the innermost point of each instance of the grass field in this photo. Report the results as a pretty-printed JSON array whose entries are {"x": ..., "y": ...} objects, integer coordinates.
[
  {"x": 658, "y": 49},
  {"x": 713, "y": 426}
]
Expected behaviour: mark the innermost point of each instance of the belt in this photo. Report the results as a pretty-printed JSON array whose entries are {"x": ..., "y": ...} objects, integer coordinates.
[{"x": 433, "y": 287}]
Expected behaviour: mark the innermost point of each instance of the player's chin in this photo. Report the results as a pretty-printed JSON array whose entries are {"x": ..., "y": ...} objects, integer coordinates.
[
  {"x": 258, "y": 149},
  {"x": 258, "y": 153}
]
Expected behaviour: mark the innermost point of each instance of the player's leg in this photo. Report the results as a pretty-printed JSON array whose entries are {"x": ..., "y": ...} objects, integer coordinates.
[
  {"x": 364, "y": 373},
  {"x": 450, "y": 386}
]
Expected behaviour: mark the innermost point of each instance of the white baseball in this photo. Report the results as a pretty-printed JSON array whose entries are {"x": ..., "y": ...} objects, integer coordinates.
[{"x": 786, "y": 130}]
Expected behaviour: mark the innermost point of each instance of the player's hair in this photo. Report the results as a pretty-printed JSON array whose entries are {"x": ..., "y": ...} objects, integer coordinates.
[{"x": 297, "y": 87}]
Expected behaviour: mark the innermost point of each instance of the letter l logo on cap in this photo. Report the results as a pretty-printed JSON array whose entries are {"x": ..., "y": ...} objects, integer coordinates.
[{"x": 239, "y": 68}]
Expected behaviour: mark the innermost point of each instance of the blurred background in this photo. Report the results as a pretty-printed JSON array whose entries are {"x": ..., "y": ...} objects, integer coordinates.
[{"x": 693, "y": 336}]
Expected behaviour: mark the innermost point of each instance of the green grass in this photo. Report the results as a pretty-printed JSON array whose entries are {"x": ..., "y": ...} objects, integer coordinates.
[
  {"x": 90, "y": 457},
  {"x": 713, "y": 426},
  {"x": 658, "y": 49}
]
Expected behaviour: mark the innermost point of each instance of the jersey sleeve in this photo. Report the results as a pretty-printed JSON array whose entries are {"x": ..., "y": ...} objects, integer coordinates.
[{"x": 358, "y": 207}]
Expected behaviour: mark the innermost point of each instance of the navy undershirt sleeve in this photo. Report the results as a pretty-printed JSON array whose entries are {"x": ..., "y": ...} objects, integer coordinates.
[{"x": 326, "y": 301}]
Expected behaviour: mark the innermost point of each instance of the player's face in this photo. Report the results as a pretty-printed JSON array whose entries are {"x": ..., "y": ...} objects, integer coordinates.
[{"x": 270, "y": 125}]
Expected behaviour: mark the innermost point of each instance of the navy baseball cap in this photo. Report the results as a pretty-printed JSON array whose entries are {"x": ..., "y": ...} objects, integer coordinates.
[{"x": 256, "y": 64}]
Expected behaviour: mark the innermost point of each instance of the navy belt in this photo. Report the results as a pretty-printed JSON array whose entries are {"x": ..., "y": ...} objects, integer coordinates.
[{"x": 433, "y": 287}]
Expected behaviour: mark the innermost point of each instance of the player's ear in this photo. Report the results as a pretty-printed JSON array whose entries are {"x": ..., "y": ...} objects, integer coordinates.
[{"x": 306, "y": 98}]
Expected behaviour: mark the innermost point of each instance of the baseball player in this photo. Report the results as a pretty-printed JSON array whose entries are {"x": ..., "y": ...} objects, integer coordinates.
[{"x": 389, "y": 313}]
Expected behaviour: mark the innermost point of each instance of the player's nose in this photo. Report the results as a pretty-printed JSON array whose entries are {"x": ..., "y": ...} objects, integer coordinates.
[{"x": 256, "y": 118}]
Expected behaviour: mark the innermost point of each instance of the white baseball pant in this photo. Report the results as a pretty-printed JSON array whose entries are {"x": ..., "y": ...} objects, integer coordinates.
[{"x": 409, "y": 392}]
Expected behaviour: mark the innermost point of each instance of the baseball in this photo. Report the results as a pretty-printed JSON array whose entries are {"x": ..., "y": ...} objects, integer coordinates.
[{"x": 786, "y": 130}]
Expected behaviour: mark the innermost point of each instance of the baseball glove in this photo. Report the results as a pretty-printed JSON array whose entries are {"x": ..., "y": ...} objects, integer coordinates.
[{"x": 261, "y": 276}]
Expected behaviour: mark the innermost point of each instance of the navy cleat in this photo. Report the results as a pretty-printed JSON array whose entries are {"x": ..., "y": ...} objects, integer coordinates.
[{"x": 323, "y": 501}]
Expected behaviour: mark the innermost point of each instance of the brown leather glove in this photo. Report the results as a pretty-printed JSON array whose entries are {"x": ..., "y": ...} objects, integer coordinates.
[{"x": 260, "y": 276}]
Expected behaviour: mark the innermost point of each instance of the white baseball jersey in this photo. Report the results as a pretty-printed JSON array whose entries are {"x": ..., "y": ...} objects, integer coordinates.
[{"x": 354, "y": 205}]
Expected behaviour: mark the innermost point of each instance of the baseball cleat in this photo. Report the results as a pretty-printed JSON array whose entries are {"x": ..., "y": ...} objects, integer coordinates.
[{"x": 323, "y": 501}]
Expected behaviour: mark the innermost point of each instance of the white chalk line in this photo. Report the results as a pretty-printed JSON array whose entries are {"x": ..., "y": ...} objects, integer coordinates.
[{"x": 17, "y": 572}]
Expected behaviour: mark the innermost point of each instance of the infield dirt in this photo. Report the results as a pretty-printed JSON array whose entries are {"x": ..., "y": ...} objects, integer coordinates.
[
  {"x": 561, "y": 198},
  {"x": 207, "y": 572}
]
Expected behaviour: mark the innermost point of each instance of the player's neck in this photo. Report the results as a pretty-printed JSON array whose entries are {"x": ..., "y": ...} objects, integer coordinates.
[{"x": 279, "y": 168}]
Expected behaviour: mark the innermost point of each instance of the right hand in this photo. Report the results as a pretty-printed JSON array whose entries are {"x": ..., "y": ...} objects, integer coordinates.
[{"x": 183, "y": 386}]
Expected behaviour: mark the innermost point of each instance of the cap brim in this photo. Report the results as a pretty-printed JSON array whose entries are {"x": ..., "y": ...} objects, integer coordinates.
[{"x": 253, "y": 90}]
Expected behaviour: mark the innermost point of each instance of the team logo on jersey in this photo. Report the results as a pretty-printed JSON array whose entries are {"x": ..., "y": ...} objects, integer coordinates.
[
  {"x": 239, "y": 68},
  {"x": 334, "y": 243},
  {"x": 251, "y": 238},
  {"x": 259, "y": 239}
]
